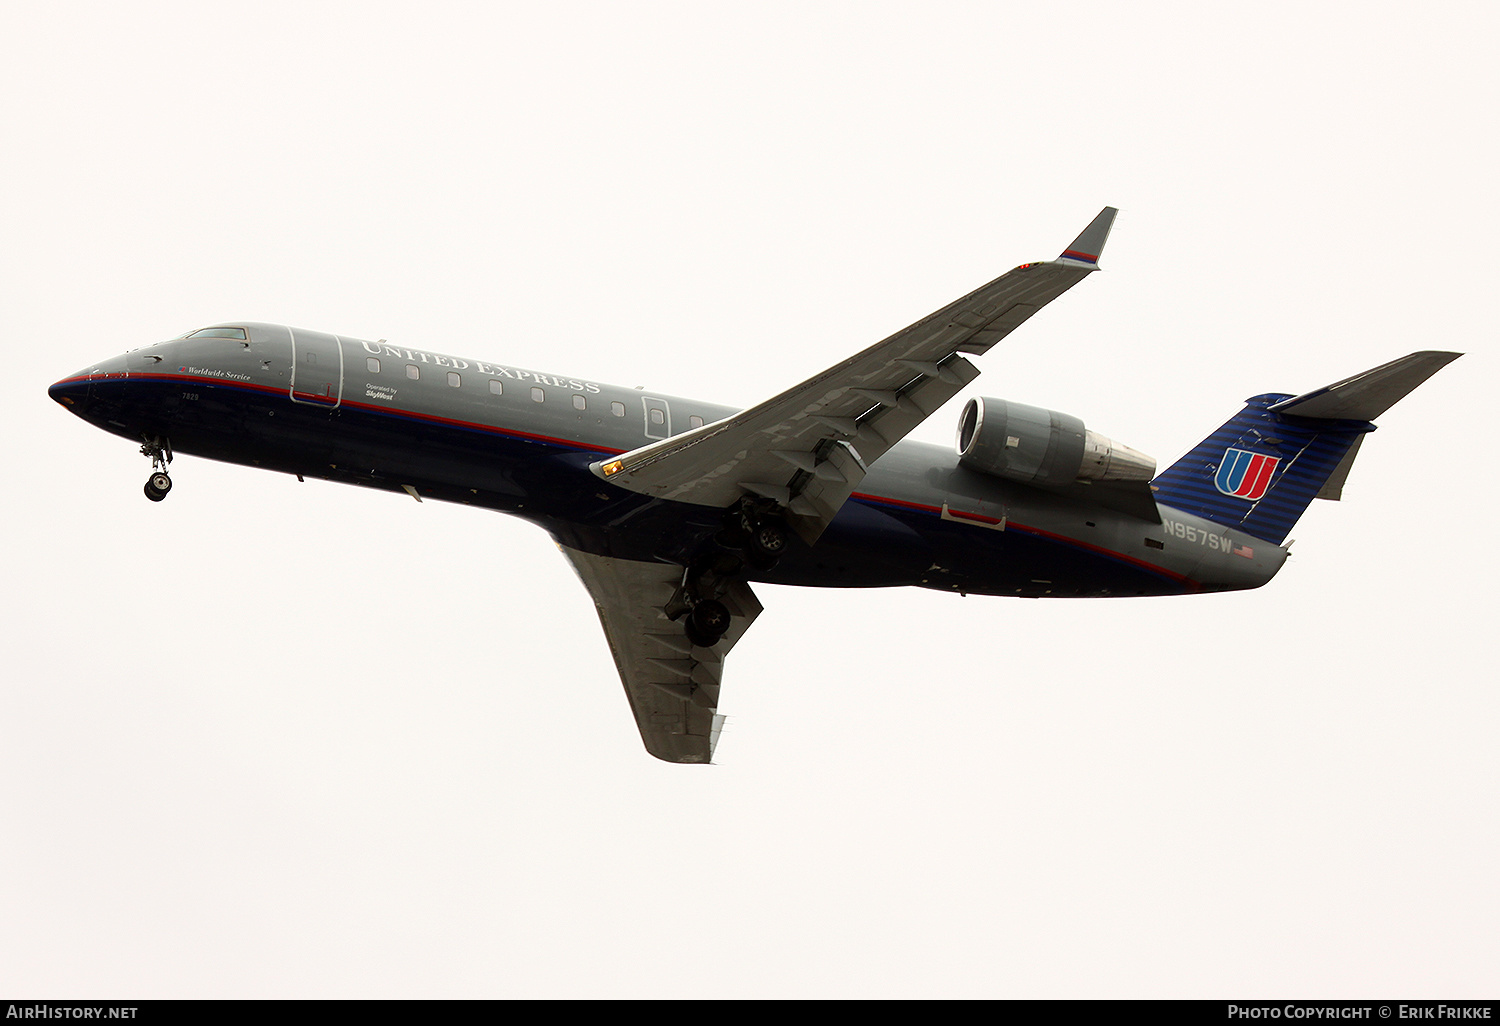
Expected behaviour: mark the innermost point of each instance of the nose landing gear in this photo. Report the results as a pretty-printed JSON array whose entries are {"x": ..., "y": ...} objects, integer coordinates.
[
  {"x": 160, "y": 451},
  {"x": 157, "y": 487}
]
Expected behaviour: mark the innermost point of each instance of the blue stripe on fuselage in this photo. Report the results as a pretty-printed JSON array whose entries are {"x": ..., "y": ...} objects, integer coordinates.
[{"x": 987, "y": 561}]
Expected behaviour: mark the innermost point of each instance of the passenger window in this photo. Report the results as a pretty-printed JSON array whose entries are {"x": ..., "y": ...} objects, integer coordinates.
[
  {"x": 537, "y": 395},
  {"x": 495, "y": 387},
  {"x": 657, "y": 417},
  {"x": 372, "y": 364},
  {"x": 578, "y": 402},
  {"x": 618, "y": 409},
  {"x": 454, "y": 380},
  {"x": 695, "y": 421},
  {"x": 412, "y": 371}
]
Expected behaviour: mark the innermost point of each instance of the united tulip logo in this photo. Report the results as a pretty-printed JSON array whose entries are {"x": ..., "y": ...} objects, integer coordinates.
[{"x": 1244, "y": 474}]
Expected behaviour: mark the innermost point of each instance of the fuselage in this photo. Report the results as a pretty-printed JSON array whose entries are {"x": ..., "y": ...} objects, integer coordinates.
[{"x": 521, "y": 442}]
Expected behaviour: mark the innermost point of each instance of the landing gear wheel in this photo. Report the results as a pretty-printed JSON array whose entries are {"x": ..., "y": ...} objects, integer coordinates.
[
  {"x": 765, "y": 545},
  {"x": 707, "y": 622},
  {"x": 768, "y": 540},
  {"x": 698, "y": 639},
  {"x": 160, "y": 451},
  {"x": 158, "y": 485}
]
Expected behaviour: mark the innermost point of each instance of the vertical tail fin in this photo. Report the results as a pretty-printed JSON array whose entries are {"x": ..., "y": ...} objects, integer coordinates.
[{"x": 1259, "y": 472}]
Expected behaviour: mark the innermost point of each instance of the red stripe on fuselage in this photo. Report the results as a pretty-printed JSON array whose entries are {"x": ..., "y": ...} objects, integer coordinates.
[
  {"x": 1040, "y": 533},
  {"x": 898, "y": 502},
  {"x": 492, "y": 429},
  {"x": 393, "y": 411},
  {"x": 200, "y": 379},
  {"x": 1101, "y": 550}
]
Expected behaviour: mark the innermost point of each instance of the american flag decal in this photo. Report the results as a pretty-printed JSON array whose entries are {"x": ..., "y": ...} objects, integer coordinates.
[{"x": 1244, "y": 474}]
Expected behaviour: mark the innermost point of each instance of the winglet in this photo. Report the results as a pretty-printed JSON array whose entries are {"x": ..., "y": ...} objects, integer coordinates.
[{"x": 1087, "y": 247}]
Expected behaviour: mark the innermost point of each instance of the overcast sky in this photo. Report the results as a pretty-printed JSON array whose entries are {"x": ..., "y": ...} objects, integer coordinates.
[{"x": 270, "y": 739}]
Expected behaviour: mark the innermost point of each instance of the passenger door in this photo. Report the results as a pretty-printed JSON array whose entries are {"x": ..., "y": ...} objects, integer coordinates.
[{"x": 317, "y": 368}]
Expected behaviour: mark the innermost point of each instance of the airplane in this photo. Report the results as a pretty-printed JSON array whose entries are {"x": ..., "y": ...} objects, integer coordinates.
[{"x": 669, "y": 509}]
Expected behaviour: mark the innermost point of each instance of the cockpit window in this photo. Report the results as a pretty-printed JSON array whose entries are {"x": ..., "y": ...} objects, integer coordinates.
[{"x": 234, "y": 333}]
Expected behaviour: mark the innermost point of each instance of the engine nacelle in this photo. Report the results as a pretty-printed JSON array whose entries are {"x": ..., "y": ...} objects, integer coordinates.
[{"x": 1042, "y": 447}]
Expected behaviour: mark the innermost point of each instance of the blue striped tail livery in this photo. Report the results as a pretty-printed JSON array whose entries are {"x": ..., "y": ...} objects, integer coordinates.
[{"x": 1260, "y": 471}]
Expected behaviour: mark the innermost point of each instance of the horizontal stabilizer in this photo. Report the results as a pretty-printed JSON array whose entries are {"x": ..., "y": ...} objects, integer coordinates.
[{"x": 1368, "y": 395}]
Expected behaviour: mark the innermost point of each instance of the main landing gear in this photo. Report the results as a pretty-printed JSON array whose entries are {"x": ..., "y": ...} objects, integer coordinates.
[
  {"x": 707, "y": 622},
  {"x": 697, "y": 602},
  {"x": 160, "y": 451},
  {"x": 752, "y": 538},
  {"x": 759, "y": 535}
]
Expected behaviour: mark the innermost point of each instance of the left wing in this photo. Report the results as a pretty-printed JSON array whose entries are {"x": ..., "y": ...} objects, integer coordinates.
[
  {"x": 808, "y": 448},
  {"x": 672, "y": 684}
]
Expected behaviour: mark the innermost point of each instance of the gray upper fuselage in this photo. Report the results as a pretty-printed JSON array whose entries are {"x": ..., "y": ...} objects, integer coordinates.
[{"x": 435, "y": 415}]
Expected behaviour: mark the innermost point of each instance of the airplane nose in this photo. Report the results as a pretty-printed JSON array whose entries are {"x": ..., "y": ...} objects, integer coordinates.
[{"x": 71, "y": 393}]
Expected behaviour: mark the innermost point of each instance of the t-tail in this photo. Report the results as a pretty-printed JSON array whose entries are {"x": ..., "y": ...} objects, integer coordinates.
[{"x": 1259, "y": 472}]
